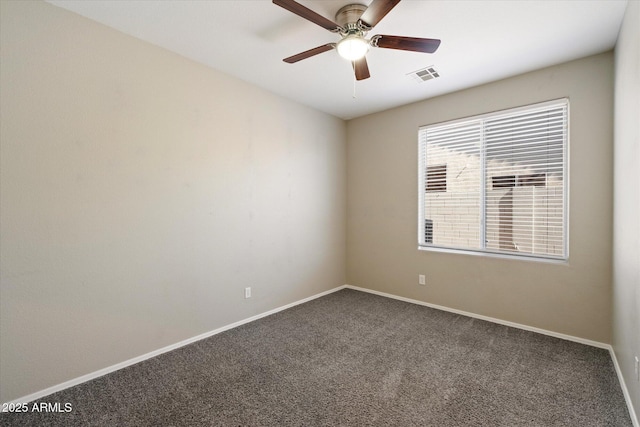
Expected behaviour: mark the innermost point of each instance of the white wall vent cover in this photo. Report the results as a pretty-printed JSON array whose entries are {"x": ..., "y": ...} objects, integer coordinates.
[{"x": 424, "y": 74}]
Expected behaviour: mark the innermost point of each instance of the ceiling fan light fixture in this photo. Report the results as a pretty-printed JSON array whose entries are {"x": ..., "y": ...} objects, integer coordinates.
[{"x": 353, "y": 47}]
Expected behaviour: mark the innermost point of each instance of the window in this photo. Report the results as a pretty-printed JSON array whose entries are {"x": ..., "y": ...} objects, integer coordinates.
[{"x": 496, "y": 183}]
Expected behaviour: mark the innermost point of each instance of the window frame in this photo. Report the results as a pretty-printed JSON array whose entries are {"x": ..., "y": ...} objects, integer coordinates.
[{"x": 484, "y": 251}]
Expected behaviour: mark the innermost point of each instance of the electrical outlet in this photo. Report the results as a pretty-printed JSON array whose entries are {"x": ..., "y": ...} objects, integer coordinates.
[
  {"x": 422, "y": 280},
  {"x": 247, "y": 292},
  {"x": 637, "y": 369}
]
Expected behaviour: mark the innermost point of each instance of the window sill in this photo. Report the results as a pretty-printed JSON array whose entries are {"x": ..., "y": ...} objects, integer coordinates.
[{"x": 558, "y": 261}]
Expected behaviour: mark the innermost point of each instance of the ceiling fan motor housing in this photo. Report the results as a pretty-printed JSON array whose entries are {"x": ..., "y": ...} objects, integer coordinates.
[{"x": 348, "y": 16}]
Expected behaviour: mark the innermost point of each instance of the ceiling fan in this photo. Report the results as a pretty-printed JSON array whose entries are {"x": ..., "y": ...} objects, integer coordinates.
[{"x": 352, "y": 23}]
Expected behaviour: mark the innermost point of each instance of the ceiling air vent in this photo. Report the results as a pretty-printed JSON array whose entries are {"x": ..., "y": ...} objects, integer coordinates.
[{"x": 424, "y": 74}]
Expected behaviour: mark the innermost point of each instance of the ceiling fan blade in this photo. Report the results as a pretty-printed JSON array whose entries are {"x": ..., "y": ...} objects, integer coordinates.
[
  {"x": 376, "y": 11},
  {"x": 308, "y": 14},
  {"x": 361, "y": 68},
  {"x": 309, "y": 53},
  {"x": 414, "y": 44}
]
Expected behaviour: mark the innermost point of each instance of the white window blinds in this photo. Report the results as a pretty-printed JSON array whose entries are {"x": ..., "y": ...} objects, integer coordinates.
[{"x": 497, "y": 182}]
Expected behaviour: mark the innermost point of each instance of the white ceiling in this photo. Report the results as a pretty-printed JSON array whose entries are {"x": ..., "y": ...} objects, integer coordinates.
[{"x": 482, "y": 41}]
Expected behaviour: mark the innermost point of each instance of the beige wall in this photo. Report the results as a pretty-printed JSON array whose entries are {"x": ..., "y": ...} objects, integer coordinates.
[
  {"x": 626, "y": 207},
  {"x": 141, "y": 192},
  {"x": 382, "y": 252}
]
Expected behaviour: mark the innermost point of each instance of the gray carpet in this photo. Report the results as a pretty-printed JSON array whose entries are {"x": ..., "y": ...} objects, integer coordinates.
[{"x": 355, "y": 359}]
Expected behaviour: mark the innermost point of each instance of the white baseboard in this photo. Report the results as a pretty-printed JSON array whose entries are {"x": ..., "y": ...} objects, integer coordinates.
[
  {"x": 93, "y": 375},
  {"x": 625, "y": 390},
  {"x": 487, "y": 318}
]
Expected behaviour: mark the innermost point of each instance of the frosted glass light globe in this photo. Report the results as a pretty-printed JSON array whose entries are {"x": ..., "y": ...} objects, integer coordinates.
[{"x": 353, "y": 47}]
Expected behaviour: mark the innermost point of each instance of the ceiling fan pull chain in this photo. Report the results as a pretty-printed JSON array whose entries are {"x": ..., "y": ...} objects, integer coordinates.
[{"x": 354, "y": 88}]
